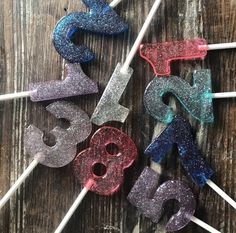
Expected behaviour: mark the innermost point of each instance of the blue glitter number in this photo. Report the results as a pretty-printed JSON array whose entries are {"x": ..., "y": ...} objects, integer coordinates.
[
  {"x": 150, "y": 200},
  {"x": 179, "y": 132},
  {"x": 196, "y": 99},
  {"x": 101, "y": 19}
]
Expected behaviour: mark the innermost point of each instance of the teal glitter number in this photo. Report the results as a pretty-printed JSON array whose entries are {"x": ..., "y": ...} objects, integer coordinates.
[{"x": 196, "y": 99}]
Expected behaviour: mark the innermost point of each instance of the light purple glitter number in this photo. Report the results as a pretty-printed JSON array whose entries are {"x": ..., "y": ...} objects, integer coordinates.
[
  {"x": 64, "y": 151},
  {"x": 76, "y": 83},
  {"x": 151, "y": 204}
]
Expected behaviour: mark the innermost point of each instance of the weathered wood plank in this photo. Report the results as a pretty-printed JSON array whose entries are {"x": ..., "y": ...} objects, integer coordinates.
[{"x": 27, "y": 55}]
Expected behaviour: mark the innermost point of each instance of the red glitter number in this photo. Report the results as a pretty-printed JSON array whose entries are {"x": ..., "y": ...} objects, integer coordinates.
[
  {"x": 159, "y": 55},
  {"x": 101, "y": 163}
]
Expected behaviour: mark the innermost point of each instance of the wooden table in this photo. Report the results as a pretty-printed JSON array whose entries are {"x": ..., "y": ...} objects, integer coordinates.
[{"x": 27, "y": 55}]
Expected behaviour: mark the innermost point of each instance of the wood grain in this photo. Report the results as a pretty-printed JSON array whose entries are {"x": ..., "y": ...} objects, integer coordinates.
[{"x": 27, "y": 55}]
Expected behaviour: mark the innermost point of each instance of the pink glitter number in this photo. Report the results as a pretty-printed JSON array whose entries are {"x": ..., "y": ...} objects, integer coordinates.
[
  {"x": 159, "y": 55},
  {"x": 100, "y": 163}
]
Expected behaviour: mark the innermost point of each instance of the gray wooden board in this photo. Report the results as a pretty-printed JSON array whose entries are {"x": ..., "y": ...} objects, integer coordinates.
[{"x": 27, "y": 55}]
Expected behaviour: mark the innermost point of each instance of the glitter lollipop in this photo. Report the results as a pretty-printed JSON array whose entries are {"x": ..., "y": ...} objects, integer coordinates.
[
  {"x": 179, "y": 132},
  {"x": 196, "y": 98},
  {"x": 75, "y": 83},
  {"x": 111, "y": 166},
  {"x": 160, "y": 55},
  {"x": 64, "y": 151},
  {"x": 108, "y": 107},
  {"x": 150, "y": 199},
  {"x": 100, "y": 19}
]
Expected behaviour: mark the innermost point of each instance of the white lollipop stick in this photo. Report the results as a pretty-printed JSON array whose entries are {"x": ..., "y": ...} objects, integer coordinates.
[
  {"x": 21, "y": 179},
  {"x": 108, "y": 107},
  {"x": 17, "y": 95},
  {"x": 114, "y": 3},
  {"x": 204, "y": 225},
  {"x": 231, "y": 45},
  {"x": 140, "y": 36},
  {"x": 222, "y": 95},
  {"x": 219, "y": 191},
  {"x": 74, "y": 206},
  {"x": 26, "y": 94}
]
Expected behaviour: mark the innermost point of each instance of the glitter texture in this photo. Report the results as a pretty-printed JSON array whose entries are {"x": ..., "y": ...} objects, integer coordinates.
[
  {"x": 108, "y": 108},
  {"x": 64, "y": 151},
  {"x": 101, "y": 19},
  {"x": 150, "y": 200},
  {"x": 160, "y": 55},
  {"x": 76, "y": 83},
  {"x": 97, "y": 153},
  {"x": 179, "y": 132},
  {"x": 196, "y": 99}
]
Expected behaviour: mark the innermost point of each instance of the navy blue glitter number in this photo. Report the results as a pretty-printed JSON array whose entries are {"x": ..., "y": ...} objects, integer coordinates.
[
  {"x": 179, "y": 132},
  {"x": 101, "y": 19},
  {"x": 150, "y": 200}
]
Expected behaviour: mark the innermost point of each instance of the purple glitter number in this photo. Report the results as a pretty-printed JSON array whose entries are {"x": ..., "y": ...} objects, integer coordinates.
[
  {"x": 196, "y": 99},
  {"x": 151, "y": 205},
  {"x": 76, "y": 83},
  {"x": 101, "y": 19},
  {"x": 111, "y": 165},
  {"x": 64, "y": 151},
  {"x": 179, "y": 132}
]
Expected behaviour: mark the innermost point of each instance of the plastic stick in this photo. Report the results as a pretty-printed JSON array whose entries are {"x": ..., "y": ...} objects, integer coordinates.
[
  {"x": 16, "y": 95},
  {"x": 140, "y": 36},
  {"x": 204, "y": 225},
  {"x": 20, "y": 180},
  {"x": 225, "y": 196},
  {"x": 220, "y": 46},
  {"x": 74, "y": 206},
  {"x": 114, "y": 3},
  {"x": 222, "y": 95}
]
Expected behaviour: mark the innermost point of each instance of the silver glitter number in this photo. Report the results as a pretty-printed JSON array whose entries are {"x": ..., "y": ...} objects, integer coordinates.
[
  {"x": 108, "y": 108},
  {"x": 64, "y": 151}
]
